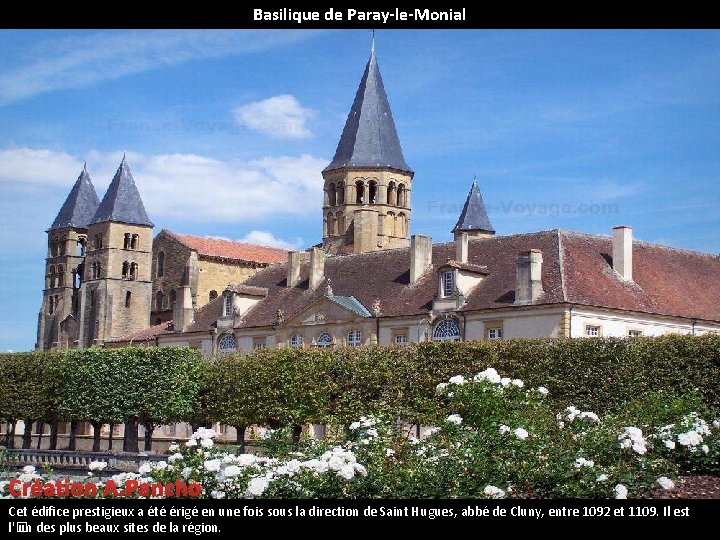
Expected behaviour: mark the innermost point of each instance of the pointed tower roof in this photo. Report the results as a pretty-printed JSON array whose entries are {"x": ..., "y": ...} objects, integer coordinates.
[
  {"x": 122, "y": 202},
  {"x": 474, "y": 216},
  {"x": 370, "y": 138},
  {"x": 80, "y": 205}
]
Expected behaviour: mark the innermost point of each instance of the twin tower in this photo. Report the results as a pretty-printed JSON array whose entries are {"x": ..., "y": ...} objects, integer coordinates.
[{"x": 98, "y": 267}]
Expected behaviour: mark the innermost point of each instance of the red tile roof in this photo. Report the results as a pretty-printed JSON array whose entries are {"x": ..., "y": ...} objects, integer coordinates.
[{"x": 229, "y": 250}]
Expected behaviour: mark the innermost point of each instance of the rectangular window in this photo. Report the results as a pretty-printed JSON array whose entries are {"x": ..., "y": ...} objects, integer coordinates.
[
  {"x": 494, "y": 333},
  {"x": 228, "y": 311},
  {"x": 401, "y": 339},
  {"x": 354, "y": 338},
  {"x": 592, "y": 330},
  {"x": 634, "y": 333},
  {"x": 259, "y": 343},
  {"x": 170, "y": 429},
  {"x": 448, "y": 284}
]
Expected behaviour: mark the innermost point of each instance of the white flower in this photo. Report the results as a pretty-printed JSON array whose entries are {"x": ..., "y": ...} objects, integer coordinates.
[
  {"x": 440, "y": 388},
  {"x": 361, "y": 470},
  {"x": 665, "y": 482},
  {"x": 521, "y": 433},
  {"x": 517, "y": 382},
  {"x": 705, "y": 448},
  {"x": 505, "y": 381},
  {"x": 455, "y": 419},
  {"x": 257, "y": 486},
  {"x": 175, "y": 457},
  {"x": 204, "y": 433},
  {"x": 632, "y": 437},
  {"x": 621, "y": 492},
  {"x": 355, "y": 425},
  {"x": 504, "y": 429},
  {"x": 145, "y": 468},
  {"x": 561, "y": 425},
  {"x": 716, "y": 424},
  {"x": 347, "y": 472},
  {"x": 389, "y": 452},
  {"x": 217, "y": 494},
  {"x": 590, "y": 416},
  {"x": 602, "y": 478},
  {"x": 544, "y": 391},
  {"x": 432, "y": 431},
  {"x": 97, "y": 465},
  {"x": 494, "y": 492},
  {"x": 670, "y": 444},
  {"x": 489, "y": 375},
  {"x": 191, "y": 443},
  {"x": 160, "y": 465},
  {"x": 244, "y": 460},
  {"x": 213, "y": 465},
  {"x": 206, "y": 443},
  {"x": 371, "y": 432},
  {"x": 582, "y": 462},
  {"x": 413, "y": 441},
  {"x": 457, "y": 379},
  {"x": 174, "y": 447},
  {"x": 232, "y": 470},
  {"x": 689, "y": 438},
  {"x": 28, "y": 469}
]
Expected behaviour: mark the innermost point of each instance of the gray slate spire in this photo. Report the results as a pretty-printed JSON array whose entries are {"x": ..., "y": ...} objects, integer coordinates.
[
  {"x": 122, "y": 202},
  {"x": 80, "y": 205},
  {"x": 370, "y": 138},
  {"x": 474, "y": 216}
]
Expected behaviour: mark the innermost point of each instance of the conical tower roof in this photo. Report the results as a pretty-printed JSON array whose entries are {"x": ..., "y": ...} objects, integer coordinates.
[
  {"x": 122, "y": 202},
  {"x": 80, "y": 205},
  {"x": 474, "y": 216}
]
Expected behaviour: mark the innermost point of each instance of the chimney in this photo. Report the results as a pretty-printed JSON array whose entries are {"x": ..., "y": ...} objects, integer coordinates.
[
  {"x": 183, "y": 312},
  {"x": 461, "y": 248},
  {"x": 420, "y": 256},
  {"x": 317, "y": 267},
  {"x": 622, "y": 251},
  {"x": 293, "y": 269},
  {"x": 528, "y": 277}
]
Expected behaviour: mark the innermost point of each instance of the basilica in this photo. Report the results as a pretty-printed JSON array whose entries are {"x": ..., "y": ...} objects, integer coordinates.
[{"x": 369, "y": 281}]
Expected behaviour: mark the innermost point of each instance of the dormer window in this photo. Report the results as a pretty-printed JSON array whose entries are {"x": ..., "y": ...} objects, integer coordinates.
[
  {"x": 228, "y": 306},
  {"x": 448, "y": 283}
]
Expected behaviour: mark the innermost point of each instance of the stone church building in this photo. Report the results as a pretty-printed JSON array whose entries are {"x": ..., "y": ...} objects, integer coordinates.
[{"x": 110, "y": 283}]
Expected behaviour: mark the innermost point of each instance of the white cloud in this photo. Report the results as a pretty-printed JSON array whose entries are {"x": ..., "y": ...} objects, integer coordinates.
[
  {"x": 181, "y": 186},
  {"x": 265, "y": 238},
  {"x": 76, "y": 62},
  {"x": 281, "y": 116}
]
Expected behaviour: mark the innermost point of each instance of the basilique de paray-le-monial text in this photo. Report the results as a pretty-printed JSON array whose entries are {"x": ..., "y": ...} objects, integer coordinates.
[{"x": 353, "y": 15}]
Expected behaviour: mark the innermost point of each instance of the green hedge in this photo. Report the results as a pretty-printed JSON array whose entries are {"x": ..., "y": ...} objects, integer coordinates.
[{"x": 290, "y": 386}]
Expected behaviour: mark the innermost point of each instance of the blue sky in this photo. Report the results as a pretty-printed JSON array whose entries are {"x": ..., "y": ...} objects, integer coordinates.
[{"x": 226, "y": 132}]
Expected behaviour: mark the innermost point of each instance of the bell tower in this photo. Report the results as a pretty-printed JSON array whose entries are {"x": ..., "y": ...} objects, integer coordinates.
[
  {"x": 117, "y": 287},
  {"x": 58, "y": 325},
  {"x": 367, "y": 186}
]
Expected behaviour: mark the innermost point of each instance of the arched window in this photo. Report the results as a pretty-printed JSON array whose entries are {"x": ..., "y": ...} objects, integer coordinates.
[
  {"x": 331, "y": 225},
  {"x": 134, "y": 241},
  {"x": 340, "y": 219},
  {"x": 332, "y": 195},
  {"x": 296, "y": 342},
  {"x": 77, "y": 278},
  {"x": 173, "y": 298},
  {"x": 61, "y": 276},
  {"x": 340, "y": 199},
  {"x": 447, "y": 330},
  {"x": 92, "y": 298},
  {"x": 228, "y": 305},
  {"x": 51, "y": 306},
  {"x": 161, "y": 264},
  {"x": 391, "y": 193},
  {"x": 372, "y": 192},
  {"x": 227, "y": 344},
  {"x": 360, "y": 192},
  {"x": 390, "y": 229},
  {"x": 133, "y": 270},
  {"x": 213, "y": 295},
  {"x": 354, "y": 338},
  {"x": 125, "y": 270},
  {"x": 98, "y": 241},
  {"x": 81, "y": 247},
  {"x": 56, "y": 247},
  {"x": 402, "y": 225},
  {"x": 63, "y": 246},
  {"x": 158, "y": 301},
  {"x": 128, "y": 299},
  {"x": 126, "y": 242},
  {"x": 99, "y": 270},
  {"x": 93, "y": 271},
  {"x": 324, "y": 341},
  {"x": 401, "y": 195},
  {"x": 53, "y": 277}
]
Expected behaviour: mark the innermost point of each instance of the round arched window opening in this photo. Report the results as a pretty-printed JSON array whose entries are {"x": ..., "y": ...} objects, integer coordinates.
[
  {"x": 227, "y": 344},
  {"x": 447, "y": 330},
  {"x": 324, "y": 340}
]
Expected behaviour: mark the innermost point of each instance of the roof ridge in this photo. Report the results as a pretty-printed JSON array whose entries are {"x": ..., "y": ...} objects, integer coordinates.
[{"x": 228, "y": 240}]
